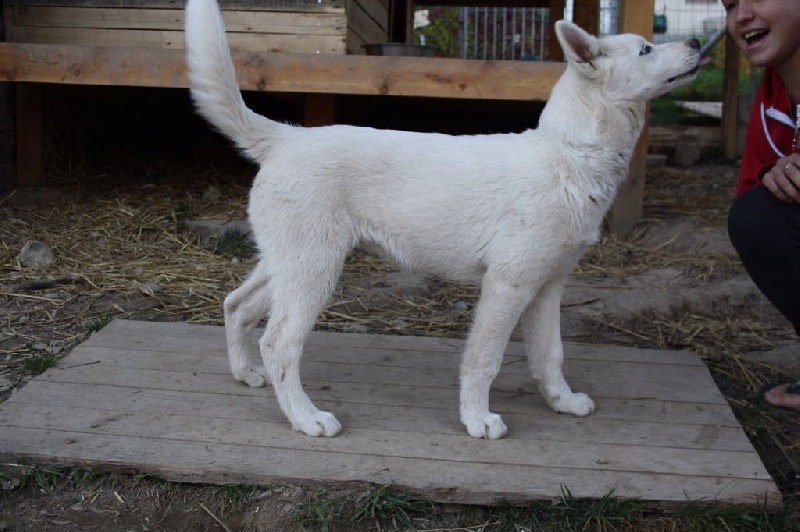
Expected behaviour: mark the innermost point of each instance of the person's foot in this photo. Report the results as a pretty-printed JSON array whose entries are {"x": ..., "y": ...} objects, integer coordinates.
[{"x": 782, "y": 395}]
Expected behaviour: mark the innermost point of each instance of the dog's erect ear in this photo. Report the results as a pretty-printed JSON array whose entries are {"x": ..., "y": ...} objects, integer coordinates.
[{"x": 580, "y": 48}]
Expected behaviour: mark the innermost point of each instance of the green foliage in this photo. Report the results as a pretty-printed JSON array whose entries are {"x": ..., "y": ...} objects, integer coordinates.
[
  {"x": 97, "y": 324},
  {"x": 442, "y": 32},
  {"x": 44, "y": 477},
  {"x": 703, "y": 516},
  {"x": 39, "y": 363},
  {"x": 318, "y": 512},
  {"x": 234, "y": 496},
  {"x": 387, "y": 504},
  {"x": 235, "y": 243},
  {"x": 569, "y": 513}
]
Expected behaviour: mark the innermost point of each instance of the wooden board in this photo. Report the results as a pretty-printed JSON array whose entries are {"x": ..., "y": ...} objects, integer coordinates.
[
  {"x": 253, "y": 42},
  {"x": 158, "y": 398},
  {"x": 259, "y": 31},
  {"x": 307, "y": 73},
  {"x": 246, "y": 5},
  {"x": 337, "y": 29},
  {"x": 172, "y": 19}
]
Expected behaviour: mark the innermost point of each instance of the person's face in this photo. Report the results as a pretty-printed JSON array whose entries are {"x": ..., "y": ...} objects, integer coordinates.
[{"x": 768, "y": 31}]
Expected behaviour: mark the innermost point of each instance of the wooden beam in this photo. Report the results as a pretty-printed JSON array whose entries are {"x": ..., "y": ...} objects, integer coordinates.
[
  {"x": 730, "y": 98},
  {"x": 304, "y": 73},
  {"x": 555, "y": 53},
  {"x": 635, "y": 17}
]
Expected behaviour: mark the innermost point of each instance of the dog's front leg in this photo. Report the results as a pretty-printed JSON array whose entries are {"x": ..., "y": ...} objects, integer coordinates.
[
  {"x": 497, "y": 314},
  {"x": 541, "y": 326}
]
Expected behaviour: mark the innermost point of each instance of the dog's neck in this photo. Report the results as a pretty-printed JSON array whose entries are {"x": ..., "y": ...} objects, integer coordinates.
[{"x": 604, "y": 132}]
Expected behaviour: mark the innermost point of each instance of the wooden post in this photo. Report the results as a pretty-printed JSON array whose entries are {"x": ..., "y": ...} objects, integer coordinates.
[
  {"x": 586, "y": 14},
  {"x": 555, "y": 53},
  {"x": 29, "y": 135},
  {"x": 730, "y": 98},
  {"x": 635, "y": 17}
]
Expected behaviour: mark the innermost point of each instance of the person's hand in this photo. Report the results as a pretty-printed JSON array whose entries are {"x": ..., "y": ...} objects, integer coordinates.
[{"x": 783, "y": 179}]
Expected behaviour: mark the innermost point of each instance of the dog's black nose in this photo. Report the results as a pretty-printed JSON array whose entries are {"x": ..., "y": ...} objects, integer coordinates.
[{"x": 694, "y": 43}]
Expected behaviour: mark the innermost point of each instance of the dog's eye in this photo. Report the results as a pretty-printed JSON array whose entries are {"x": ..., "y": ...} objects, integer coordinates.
[
  {"x": 646, "y": 49},
  {"x": 728, "y": 6}
]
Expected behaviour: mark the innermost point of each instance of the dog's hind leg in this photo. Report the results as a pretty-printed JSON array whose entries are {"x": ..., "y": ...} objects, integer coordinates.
[
  {"x": 498, "y": 311},
  {"x": 298, "y": 301},
  {"x": 541, "y": 326},
  {"x": 244, "y": 307}
]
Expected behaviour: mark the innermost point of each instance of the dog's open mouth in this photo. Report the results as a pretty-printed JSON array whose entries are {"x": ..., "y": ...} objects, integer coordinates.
[
  {"x": 702, "y": 62},
  {"x": 679, "y": 77}
]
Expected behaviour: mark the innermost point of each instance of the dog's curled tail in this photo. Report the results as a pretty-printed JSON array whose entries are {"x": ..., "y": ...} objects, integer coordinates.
[{"x": 212, "y": 80}]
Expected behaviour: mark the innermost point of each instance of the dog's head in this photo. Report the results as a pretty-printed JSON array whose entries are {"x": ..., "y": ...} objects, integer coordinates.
[{"x": 628, "y": 67}]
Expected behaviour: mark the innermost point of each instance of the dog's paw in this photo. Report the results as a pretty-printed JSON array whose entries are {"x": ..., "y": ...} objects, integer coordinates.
[
  {"x": 576, "y": 404},
  {"x": 490, "y": 427},
  {"x": 255, "y": 378},
  {"x": 318, "y": 424}
]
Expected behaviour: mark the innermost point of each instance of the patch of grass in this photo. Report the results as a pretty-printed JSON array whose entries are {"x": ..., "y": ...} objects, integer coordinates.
[
  {"x": 319, "y": 511},
  {"x": 44, "y": 476},
  {"x": 234, "y": 496},
  {"x": 387, "y": 504},
  {"x": 39, "y": 363},
  {"x": 776, "y": 518},
  {"x": 235, "y": 243},
  {"x": 97, "y": 324},
  {"x": 568, "y": 513},
  {"x": 601, "y": 513}
]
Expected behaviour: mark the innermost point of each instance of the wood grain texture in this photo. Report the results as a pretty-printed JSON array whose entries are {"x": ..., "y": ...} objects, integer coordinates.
[
  {"x": 305, "y": 73},
  {"x": 158, "y": 398}
]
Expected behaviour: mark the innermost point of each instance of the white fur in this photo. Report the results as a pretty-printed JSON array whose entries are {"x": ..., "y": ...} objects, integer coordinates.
[{"x": 514, "y": 212}]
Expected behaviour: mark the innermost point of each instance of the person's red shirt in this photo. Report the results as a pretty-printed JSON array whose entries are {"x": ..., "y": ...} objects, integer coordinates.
[{"x": 770, "y": 131}]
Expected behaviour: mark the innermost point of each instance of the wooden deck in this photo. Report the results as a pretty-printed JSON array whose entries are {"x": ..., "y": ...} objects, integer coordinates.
[{"x": 158, "y": 398}]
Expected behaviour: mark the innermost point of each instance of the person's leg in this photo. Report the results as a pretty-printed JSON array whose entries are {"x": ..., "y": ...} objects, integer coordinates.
[{"x": 766, "y": 235}]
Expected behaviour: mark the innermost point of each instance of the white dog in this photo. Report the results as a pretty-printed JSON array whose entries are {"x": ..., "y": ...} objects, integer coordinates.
[{"x": 514, "y": 212}]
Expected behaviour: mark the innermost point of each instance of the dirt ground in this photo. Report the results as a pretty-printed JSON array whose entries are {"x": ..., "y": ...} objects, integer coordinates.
[{"x": 123, "y": 249}]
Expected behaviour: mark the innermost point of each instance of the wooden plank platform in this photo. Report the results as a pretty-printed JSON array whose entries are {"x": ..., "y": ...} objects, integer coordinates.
[{"x": 158, "y": 398}]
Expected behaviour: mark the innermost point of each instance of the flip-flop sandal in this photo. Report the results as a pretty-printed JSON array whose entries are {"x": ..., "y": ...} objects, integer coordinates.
[{"x": 792, "y": 388}]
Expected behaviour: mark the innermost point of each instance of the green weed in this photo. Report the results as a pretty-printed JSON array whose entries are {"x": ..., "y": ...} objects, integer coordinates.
[
  {"x": 235, "y": 243},
  {"x": 97, "y": 324},
  {"x": 45, "y": 477},
  {"x": 234, "y": 496},
  {"x": 39, "y": 363},
  {"x": 319, "y": 511},
  {"x": 388, "y": 505}
]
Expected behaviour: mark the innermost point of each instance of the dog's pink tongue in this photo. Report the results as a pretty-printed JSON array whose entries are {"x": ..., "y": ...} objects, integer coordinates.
[{"x": 704, "y": 61}]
